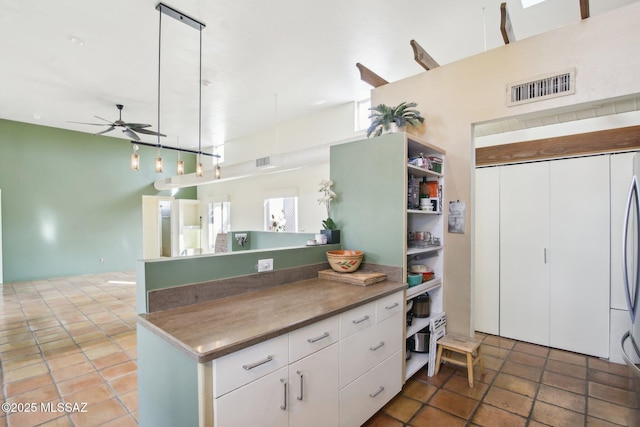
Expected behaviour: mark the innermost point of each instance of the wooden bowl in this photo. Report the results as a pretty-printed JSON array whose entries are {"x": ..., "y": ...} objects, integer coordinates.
[{"x": 344, "y": 260}]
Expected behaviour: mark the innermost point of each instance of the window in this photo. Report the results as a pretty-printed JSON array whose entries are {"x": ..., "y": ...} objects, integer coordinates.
[
  {"x": 219, "y": 221},
  {"x": 281, "y": 214},
  {"x": 362, "y": 114}
]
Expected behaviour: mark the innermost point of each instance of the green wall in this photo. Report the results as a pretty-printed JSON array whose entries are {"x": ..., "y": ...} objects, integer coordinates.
[{"x": 70, "y": 199}]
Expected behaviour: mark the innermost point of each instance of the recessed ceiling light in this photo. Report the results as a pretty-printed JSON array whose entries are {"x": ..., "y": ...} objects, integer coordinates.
[{"x": 75, "y": 40}]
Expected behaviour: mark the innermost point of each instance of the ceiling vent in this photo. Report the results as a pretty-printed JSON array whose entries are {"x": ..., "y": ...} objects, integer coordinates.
[
  {"x": 542, "y": 87},
  {"x": 263, "y": 162}
]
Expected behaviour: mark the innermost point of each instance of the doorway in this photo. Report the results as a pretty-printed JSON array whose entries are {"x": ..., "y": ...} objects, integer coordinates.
[{"x": 165, "y": 207}]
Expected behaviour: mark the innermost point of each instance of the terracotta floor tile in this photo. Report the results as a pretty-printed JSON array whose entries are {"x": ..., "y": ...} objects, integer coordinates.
[
  {"x": 563, "y": 398},
  {"x": 34, "y": 418},
  {"x": 102, "y": 350},
  {"x": 614, "y": 395},
  {"x": 130, "y": 421},
  {"x": 81, "y": 382},
  {"x": 111, "y": 359},
  {"x": 486, "y": 378},
  {"x": 523, "y": 371},
  {"x": 509, "y": 401},
  {"x": 61, "y": 421},
  {"x": 453, "y": 403},
  {"x": 91, "y": 395},
  {"x": 490, "y": 416},
  {"x": 612, "y": 368},
  {"x": 564, "y": 382},
  {"x": 566, "y": 368},
  {"x": 516, "y": 384},
  {"x": 15, "y": 345},
  {"x": 555, "y": 415},
  {"x": 460, "y": 384},
  {"x": 499, "y": 342},
  {"x": 8, "y": 365},
  {"x": 493, "y": 363},
  {"x": 43, "y": 394},
  {"x": 400, "y": 407},
  {"x": 429, "y": 416},
  {"x": 493, "y": 351},
  {"x": 532, "y": 349},
  {"x": 27, "y": 384},
  {"x": 64, "y": 361},
  {"x": 72, "y": 371},
  {"x": 19, "y": 353},
  {"x": 567, "y": 356},
  {"x": 526, "y": 359},
  {"x": 617, "y": 381},
  {"x": 130, "y": 401},
  {"x": 120, "y": 370},
  {"x": 413, "y": 388},
  {"x": 25, "y": 372},
  {"x": 100, "y": 413},
  {"x": 611, "y": 412}
]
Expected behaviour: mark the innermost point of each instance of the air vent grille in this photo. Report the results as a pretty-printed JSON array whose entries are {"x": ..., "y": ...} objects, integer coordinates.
[
  {"x": 543, "y": 87},
  {"x": 263, "y": 162}
]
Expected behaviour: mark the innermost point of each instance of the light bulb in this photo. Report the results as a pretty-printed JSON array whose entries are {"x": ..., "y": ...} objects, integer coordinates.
[
  {"x": 159, "y": 165},
  {"x": 180, "y": 167},
  {"x": 135, "y": 162},
  {"x": 218, "y": 172},
  {"x": 199, "y": 170}
]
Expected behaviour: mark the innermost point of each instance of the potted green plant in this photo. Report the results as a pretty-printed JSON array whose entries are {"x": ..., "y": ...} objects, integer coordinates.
[
  {"x": 330, "y": 229},
  {"x": 385, "y": 117}
]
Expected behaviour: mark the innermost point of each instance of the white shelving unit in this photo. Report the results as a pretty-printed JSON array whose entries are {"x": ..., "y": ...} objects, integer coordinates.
[{"x": 427, "y": 254}]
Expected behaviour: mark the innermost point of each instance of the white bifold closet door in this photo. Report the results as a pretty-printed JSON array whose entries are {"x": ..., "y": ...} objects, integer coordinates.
[
  {"x": 579, "y": 256},
  {"x": 524, "y": 242}
]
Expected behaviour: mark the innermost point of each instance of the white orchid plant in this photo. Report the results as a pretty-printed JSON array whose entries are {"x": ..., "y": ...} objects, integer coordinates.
[{"x": 327, "y": 196}]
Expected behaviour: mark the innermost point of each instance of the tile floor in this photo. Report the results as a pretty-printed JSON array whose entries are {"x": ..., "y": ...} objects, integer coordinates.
[
  {"x": 73, "y": 341},
  {"x": 69, "y": 341}
]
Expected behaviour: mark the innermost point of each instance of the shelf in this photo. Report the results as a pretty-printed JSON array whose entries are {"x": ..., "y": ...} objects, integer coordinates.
[
  {"x": 420, "y": 172},
  {"x": 414, "y": 291},
  {"x": 417, "y": 324},
  {"x": 417, "y": 361},
  {"x": 421, "y": 212},
  {"x": 416, "y": 251}
]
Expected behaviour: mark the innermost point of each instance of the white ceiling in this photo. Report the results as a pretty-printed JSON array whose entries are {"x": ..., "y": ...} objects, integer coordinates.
[{"x": 267, "y": 61}]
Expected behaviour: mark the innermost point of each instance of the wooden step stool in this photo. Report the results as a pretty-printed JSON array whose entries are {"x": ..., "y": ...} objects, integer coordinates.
[{"x": 461, "y": 351}]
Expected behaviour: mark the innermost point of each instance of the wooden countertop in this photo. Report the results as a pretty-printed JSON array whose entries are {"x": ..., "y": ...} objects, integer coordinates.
[{"x": 215, "y": 328}]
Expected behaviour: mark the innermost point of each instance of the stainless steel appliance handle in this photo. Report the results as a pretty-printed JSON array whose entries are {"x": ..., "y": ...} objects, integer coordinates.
[
  {"x": 380, "y": 390},
  {"x": 284, "y": 404},
  {"x": 633, "y": 190},
  {"x": 301, "y": 396},
  {"x": 626, "y": 358},
  {"x": 256, "y": 364},
  {"x": 364, "y": 319},
  {"x": 312, "y": 340}
]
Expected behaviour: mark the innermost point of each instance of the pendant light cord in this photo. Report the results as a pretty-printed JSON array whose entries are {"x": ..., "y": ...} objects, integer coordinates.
[
  {"x": 159, "y": 62},
  {"x": 200, "y": 98}
]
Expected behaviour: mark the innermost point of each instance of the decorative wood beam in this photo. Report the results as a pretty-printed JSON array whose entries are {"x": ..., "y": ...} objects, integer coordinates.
[
  {"x": 604, "y": 141},
  {"x": 584, "y": 9},
  {"x": 422, "y": 57},
  {"x": 505, "y": 25},
  {"x": 368, "y": 76}
]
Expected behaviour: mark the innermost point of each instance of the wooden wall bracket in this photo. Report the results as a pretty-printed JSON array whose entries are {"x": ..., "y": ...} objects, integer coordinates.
[
  {"x": 505, "y": 25},
  {"x": 584, "y": 9},
  {"x": 368, "y": 76},
  {"x": 422, "y": 57}
]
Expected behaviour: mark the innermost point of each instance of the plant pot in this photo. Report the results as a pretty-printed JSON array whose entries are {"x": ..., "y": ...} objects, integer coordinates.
[{"x": 333, "y": 236}]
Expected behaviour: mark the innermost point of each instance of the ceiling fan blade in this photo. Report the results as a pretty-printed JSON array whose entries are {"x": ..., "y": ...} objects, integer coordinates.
[
  {"x": 92, "y": 124},
  {"x": 105, "y": 131},
  {"x": 108, "y": 121},
  {"x": 131, "y": 134},
  {"x": 136, "y": 125},
  {"x": 149, "y": 132}
]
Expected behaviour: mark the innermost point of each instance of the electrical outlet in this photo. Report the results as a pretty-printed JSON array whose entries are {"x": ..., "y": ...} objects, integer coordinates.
[{"x": 265, "y": 265}]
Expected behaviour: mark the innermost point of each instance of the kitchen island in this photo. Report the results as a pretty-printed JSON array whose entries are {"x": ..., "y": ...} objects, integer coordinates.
[{"x": 295, "y": 353}]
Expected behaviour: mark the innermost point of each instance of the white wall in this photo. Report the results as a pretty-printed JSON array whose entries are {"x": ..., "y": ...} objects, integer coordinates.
[{"x": 456, "y": 96}]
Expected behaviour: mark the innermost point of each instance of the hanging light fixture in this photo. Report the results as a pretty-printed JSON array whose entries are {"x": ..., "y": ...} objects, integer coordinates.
[
  {"x": 218, "y": 171},
  {"x": 180, "y": 163},
  {"x": 169, "y": 11},
  {"x": 159, "y": 163},
  {"x": 135, "y": 159}
]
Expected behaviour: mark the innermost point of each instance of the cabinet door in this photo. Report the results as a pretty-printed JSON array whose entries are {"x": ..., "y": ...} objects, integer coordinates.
[
  {"x": 263, "y": 402},
  {"x": 524, "y": 242},
  {"x": 314, "y": 391},
  {"x": 579, "y": 258},
  {"x": 487, "y": 251}
]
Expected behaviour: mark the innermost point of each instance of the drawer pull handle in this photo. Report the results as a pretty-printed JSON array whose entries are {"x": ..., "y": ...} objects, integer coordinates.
[
  {"x": 312, "y": 340},
  {"x": 380, "y": 390},
  {"x": 364, "y": 319},
  {"x": 301, "y": 385},
  {"x": 389, "y": 307},
  {"x": 255, "y": 365},
  {"x": 284, "y": 403},
  {"x": 377, "y": 347}
]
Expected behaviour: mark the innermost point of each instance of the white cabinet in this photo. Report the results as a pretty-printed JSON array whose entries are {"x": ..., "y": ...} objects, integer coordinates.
[
  {"x": 487, "y": 251},
  {"x": 189, "y": 228},
  {"x": 300, "y": 378},
  {"x": 554, "y": 253}
]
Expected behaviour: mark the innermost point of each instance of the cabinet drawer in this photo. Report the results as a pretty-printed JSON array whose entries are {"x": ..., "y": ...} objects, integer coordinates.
[
  {"x": 357, "y": 319},
  {"x": 389, "y": 305},
  {"x": 243, "y": 366},
  {"x": 312, "y": 338},
  {"x": 365, "y": 396},
  {"x": 364, "y": 350}
]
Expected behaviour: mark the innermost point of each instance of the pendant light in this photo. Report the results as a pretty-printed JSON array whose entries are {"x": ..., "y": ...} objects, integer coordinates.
[
  {"x": 159, "y": 163},
  {"x": 135, "y": 159},
  {"x": 169, "y": 11},
  {"x": 180, "y": 163},
  {"x": 218, "y": 171}
]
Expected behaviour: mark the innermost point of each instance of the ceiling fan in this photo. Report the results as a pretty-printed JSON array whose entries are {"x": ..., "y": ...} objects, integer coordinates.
[{"x": 129, "y": 129}]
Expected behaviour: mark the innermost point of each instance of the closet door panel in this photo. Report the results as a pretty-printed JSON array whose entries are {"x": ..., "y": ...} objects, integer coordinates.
[
  {"x": 487, "y": 251},
  {"x": 524, "y": 238},
  {"x": 579, "y": 257}
]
